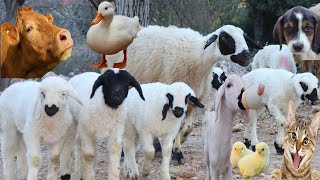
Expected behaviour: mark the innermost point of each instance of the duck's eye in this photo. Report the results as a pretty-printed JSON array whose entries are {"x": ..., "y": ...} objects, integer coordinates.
[
  {"x": 293, "y": 136},
  {"x": 106, "y": 8},
  {"x": 305, "y": 141}
]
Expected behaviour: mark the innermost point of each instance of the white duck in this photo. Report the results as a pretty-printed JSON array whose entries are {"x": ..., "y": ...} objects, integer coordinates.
[{"x": 110, "y": 34}]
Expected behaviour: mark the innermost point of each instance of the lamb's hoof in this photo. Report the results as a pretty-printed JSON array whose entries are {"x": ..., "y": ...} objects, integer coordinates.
[
  {"x": 157, "y": 148},
  {"x": 247, "y": 143},
  {"x": 279, "y": 150},
  {"x": 253, "y": 148},
  {"x": 177, "y": 158},
  {"x": 66, "y": 177},
  {"x": 122, "y": 155}
]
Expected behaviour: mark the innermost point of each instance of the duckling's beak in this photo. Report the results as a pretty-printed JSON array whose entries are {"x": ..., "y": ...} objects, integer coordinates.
[{"x": 97, "y": 19}]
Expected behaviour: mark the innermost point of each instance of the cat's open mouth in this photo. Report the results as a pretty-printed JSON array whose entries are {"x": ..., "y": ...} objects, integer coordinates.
[{"x": 296, "y": 159}]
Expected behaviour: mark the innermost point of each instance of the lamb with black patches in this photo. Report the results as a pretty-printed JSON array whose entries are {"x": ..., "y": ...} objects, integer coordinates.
[
  {"x": 171, "y": 54},
  {"x": 30, "y": 112},
  {"x": 159, "y": 116},
  {"x": 102, "y": 116},
  {"x": 271, "y": 57},
  {"x": 281, "y": 86}
]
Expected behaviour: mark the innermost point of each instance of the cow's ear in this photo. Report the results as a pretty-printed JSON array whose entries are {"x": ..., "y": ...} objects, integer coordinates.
[
  {"x": 49, "y": 17},
  {"x": 9, "y": 34}
]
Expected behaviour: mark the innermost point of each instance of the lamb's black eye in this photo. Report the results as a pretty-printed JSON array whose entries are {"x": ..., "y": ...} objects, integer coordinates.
[
  {"x": 305, "y": 141},
  {"x": 294, "y": 136},
  {"x": 229, "y": 85}
]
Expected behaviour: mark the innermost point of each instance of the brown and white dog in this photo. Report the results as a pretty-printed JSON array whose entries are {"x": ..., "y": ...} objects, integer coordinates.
[{"x": 299, "y": 28}]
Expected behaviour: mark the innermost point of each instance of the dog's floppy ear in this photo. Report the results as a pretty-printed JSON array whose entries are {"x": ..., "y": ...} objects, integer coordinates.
[
  {"x": 278, "y": 31},
  {"x": 315, "y": 42}
]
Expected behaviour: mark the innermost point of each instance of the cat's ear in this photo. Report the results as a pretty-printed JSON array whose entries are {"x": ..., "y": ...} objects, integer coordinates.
[
  {"x": 292, "y": 115},
  {"x": 315, "y": 123}
]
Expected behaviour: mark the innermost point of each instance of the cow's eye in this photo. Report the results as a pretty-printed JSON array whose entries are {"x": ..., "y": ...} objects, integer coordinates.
[{"x": 29, "y": 29}]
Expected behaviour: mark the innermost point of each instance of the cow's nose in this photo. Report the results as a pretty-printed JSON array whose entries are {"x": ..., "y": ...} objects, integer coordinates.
[
  {"x": 298, "y": 47},
  {"x": 178, "y": 112},
  {"x": 50, "y": 111},
  {"x": 64, "y": 37}
]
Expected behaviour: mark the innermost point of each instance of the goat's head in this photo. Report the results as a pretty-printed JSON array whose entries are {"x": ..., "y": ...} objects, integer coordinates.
[
  {"x": 115, "y": 86},
  {"x": 231, "y": 43},
  {"x": 53, "y": 94},
  {"x": 218, "y": 77},
  {"x": 307, "y": 86},
  {"x": 178, "y": 96},
  {"x": 228, "y": 93}
]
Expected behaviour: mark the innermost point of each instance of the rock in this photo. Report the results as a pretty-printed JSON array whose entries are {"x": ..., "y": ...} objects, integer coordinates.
[{"x": 238, "y": 127}]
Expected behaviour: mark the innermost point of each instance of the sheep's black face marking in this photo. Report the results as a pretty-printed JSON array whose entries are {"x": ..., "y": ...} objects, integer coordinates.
[
  {"x": 223, "y": 77},
  {"x": 215, "y": 81},
  {"x": 178, "y": 112},
  {"x": 242, "y": 58},
  {"x": 50, "y": 111},
  {"x": 304, "y": 86},
  {"x": 227, "y": 45},
  {"x": 115, "y": 87},
  {"x": 166, "y": 107},
  {"x": 313, "y": 96}
]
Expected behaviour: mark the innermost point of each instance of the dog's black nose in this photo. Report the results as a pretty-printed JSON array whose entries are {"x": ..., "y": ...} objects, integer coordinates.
[
  {"x": 178, "y": 112},
  {"x": 50, "y": 111},
  {"x": 298, "y": 47}
]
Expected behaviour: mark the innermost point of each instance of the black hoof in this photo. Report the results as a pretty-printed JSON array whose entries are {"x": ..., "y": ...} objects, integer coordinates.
[
  {"x": 253, "y": 148},
  {"x": 66, "y": 177},
  {"x": 247, "y": 143},
  {"x": 279, "y": 150},
  {"x": 122, "y": 153},
  {"x": 177, "y": 158}
]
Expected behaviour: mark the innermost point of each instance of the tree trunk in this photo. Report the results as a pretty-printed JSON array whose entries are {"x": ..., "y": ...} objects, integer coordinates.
[
  {"x": 258, "y": 27},
  {"x": 11, "y": 8},
  {"x": 131, "y": 8}
]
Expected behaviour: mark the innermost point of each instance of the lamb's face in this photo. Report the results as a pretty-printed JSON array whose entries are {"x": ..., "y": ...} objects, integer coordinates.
[
  {"x": 178, "y": 96},
  {"x": 218, "y": 77},
  {"x": 306, "y": 85}
]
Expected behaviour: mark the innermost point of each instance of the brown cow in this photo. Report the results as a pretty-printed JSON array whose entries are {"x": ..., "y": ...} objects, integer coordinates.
[{"x": 34, "y": 46}]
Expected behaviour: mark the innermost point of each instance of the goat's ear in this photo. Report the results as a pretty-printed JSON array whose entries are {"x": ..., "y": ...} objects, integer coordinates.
[
  {"x": 196, "y": 101},
  {"x": 134, "y": 83},
  {"x": 219, "y": 96},
  {"x": 96, "y": 85},
  {"x": 170, "y": 98},
  {"x": 292, "y": 116},
  {"x": 73, "y": 94},
  {"x": 165, "y": 111},
  {"x": 314, "y": 124},
  {"x": 278, "y": 31},
  {"x": 251, "y": 43},
  {"x": 210, "y": 41}
]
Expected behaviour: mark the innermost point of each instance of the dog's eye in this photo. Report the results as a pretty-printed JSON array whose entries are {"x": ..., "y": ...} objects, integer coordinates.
[
  {"x": 288, "y": 29},
  {"x": 307, "y": 29},
  {"x": 305, "y": 141}
]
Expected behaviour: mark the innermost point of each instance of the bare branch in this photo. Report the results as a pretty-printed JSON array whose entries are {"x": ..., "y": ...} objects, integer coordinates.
[{"x": 95, "y": 5}]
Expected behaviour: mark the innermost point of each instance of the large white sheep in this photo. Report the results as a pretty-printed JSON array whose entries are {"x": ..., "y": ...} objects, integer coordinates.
[
  {"x": 102, "y": 116},
  {"x": 271, "y": 57},
  {"x": 160, "y": 116},
  {"x": 280, "y": 86},
  {"x": 171, "y": 54},
  {"x": 31, "y": 112}
]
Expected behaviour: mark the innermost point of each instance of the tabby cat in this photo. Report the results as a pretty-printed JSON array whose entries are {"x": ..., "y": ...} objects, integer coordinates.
[{"x": 299, "y": 147}]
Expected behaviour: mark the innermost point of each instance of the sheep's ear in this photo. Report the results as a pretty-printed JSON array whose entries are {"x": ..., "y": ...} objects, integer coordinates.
[
  {"x": 170, "y": 98},
  {"x": 314, "y": 124},
  {"x": 251, "y": 43},
  {"x": 134, "y": 83},
  {"x": 196, "y": 101},
  {"x": 292, "y": 115},
  {"x": 165, "y": 111},
  {"x": 73, "y": 94},
  {"x": 96, "y": 85},
  {"x": 219, "y": 96},
  {"x": 278, "y": 31},
  {"x": 210, "y": 41}
]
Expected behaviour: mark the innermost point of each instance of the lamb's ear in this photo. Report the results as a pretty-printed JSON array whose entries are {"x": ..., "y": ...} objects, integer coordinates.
[
  {"x": 134, "y": 83},
  {"x": 314, "y": 124},
  {"x": 219, "y": 96},
  {"x": 278, "y": 31},
  {"x": 251, "y": 43},
  {"x": 170, "y": 98},
  {"x": 210, "y": 41},
  {"x": 96, "y": 85},
  {"x": 196, "y": 101},
  {"x": 292, "y": 115},
  {"x": 73, "y": 94},
  {"x": 165, "y": 111}
]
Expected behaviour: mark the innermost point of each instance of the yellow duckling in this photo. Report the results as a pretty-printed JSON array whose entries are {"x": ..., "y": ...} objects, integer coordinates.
[
  {"x": 255, "y": 163},
  {"x": 239, "y": 150},
  {"x": 110, "y": 34}
]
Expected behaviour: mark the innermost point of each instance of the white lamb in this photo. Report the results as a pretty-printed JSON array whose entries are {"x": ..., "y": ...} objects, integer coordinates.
[
  {"x": 30, "y": 112},
  {"x": 102, "y": 116},
  {"x": 171, "y": 54},
  {"x": 159, "y": 116},
  {"x": 271, "y": 57},
  {"x": 281, "y": 86}
]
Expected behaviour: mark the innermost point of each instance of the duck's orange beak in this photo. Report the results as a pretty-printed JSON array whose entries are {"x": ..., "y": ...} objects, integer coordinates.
[{"x": 97, "y": 19}]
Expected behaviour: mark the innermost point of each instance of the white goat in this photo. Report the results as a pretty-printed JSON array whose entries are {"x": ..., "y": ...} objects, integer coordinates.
[
  {"x": 271, "y": 57},
  {"x": 102, "y": 116},
  {"x": 217, "y": 140},
  {"x": 171, "y": 54},
  {"x": 159, "y": 116},
  {"x": 31, "y": 112},
  {"x": 281, "y": 86}
]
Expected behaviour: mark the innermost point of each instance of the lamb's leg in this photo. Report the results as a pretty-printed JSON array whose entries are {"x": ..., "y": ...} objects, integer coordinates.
[
  {"x": 66, "y": 154},
  {"x": 88, "y": 150},
  {"x": 33, "y": 154},
  {"x": 250, "y": 134},
  {"x": 166, "y": 152},
  {"x": 177, "y": 155},
  {"x": 148, "y": 153},
  {"x": 129, "y": 148},
  {"x": 115, "y": 147},
  {"x": 188, "y": 126},
  {"x": 228, "y": 174},
  {"x": 54, "y": 155},
  {"x": 9, "y": 149},
  {"x": 281, "y": 125},
  {"x": 22, "y": 160},
  {"x": 78, "y": 159},
  {"x": 214, "y": 173}
]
